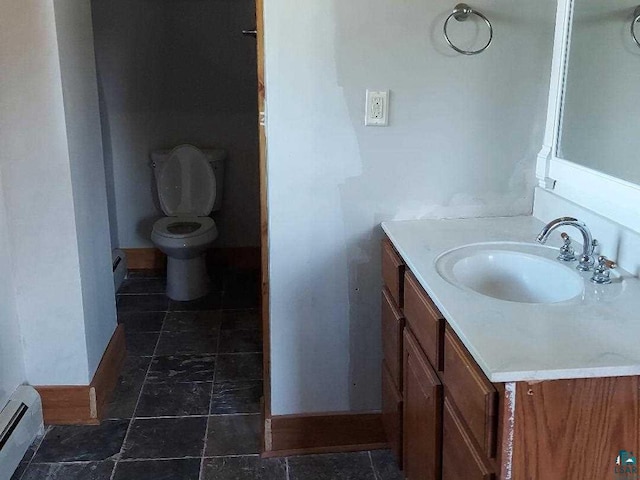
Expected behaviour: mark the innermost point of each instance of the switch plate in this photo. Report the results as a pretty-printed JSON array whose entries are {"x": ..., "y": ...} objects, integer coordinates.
[{"x": 377, "y": 108}]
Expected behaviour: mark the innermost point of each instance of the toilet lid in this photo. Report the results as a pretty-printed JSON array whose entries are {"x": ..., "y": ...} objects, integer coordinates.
[{"x": 186, "y": 183}]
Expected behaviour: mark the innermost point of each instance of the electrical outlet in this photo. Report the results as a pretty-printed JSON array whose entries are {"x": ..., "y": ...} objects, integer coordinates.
[{"x": 377, "y": 108}]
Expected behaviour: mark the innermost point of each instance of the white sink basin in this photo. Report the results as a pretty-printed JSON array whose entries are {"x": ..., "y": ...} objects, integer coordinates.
[{"x": 515, "y": 272}]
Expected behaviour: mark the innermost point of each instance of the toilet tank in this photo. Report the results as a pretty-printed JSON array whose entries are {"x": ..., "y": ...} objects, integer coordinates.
[{"x": 217, "y": 158}]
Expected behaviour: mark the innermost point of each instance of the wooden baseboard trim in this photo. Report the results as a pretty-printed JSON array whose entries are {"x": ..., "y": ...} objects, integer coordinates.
[
  {"x": 68, "y": 405},
  {"x": 154, "y": 259},
  {"x": 145, "y": 258},
  {"x": 323, "y": 433},
  {"x": 86, "y": 404},
  {"x": 106, "y": 377}
]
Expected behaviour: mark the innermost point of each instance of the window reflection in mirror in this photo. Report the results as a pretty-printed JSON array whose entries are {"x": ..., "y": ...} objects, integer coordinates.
[{"x": 600, "y": 126}]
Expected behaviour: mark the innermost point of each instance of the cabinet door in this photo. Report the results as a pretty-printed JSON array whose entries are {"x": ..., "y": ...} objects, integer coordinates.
[
  {"x": 461, "y": 458},
  {"x": 392, "y": 413},
  {"x": 392, "y": 326},
  {"x": 422, "y": 414}
]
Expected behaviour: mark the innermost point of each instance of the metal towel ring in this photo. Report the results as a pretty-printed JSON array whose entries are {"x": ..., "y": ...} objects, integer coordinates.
[
  {"x": 461, "y": 12},
  {"x": 636, "y": 19}
]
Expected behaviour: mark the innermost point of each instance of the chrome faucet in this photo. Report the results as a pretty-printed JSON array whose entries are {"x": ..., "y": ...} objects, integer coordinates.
[{"x": 588, "y": 242}]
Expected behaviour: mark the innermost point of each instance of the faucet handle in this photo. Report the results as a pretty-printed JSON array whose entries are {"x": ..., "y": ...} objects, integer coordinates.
[
  {"x": 605, "y": 262},
  {"x": 601, "y": 273},
  {"x": 567, "y": 253}
]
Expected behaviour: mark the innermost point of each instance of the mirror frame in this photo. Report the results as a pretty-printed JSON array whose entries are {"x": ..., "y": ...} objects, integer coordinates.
[{"x": 604, "y": 194}]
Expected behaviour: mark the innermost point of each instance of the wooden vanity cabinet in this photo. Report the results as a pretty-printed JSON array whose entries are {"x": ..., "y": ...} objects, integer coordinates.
[
  {"x": 450, "y": 408},
  {"x": 419, "y": 399},
  {"x": 422, "y": 392},
  {"x": 446, "y": 420},
  {"x": 393, "y": 323}
]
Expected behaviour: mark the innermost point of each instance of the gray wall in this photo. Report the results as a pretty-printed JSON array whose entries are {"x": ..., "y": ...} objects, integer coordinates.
[
  {"x": 12, "y": 372},
  {"x": 463, "y": 137},
  {"x": 170, "y": 72}
]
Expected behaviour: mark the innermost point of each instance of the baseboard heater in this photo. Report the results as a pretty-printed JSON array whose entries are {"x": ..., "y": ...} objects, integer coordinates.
[{"x": 20, "y": 423}]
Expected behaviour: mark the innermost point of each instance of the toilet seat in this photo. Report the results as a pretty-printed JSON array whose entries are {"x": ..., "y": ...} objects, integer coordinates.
[{"x": 183, "y": 226}]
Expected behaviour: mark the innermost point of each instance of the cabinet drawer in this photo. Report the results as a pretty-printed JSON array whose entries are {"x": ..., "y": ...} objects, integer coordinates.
[
  {"x": 422, "y": 414},
  {"x": 392, "y": 413},
  {"x": 392, "y": 271},
  {"x": 473, "y": 394},
  {"x": 460, "y": 456},
  {"x": 392, "y": 326},
  {"x": 425, "y": 320}
]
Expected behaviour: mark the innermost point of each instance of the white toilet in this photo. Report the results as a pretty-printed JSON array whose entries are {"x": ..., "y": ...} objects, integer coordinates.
[{"x": 189, "y": 182}]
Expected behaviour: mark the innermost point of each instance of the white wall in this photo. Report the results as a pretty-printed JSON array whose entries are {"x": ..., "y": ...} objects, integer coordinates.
[
  {"x": 37, "y": 186},
  {"x": 12, "y": 372},
  {"x": 463, "y": 137},
  {"x": 80, "y": 93},
  {"x": 47, "y": 174},
  {"x": 172, "y": 72}
]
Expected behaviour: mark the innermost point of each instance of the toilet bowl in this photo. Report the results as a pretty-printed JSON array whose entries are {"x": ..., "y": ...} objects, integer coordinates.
[{"x": 187, "y": 182}]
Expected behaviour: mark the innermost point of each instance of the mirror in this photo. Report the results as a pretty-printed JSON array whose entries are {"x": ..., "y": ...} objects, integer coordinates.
[{"x": 600, "y": 116}]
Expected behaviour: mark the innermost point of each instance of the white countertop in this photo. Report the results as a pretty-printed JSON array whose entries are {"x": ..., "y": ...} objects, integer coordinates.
[{"x": 596, "y": 334}]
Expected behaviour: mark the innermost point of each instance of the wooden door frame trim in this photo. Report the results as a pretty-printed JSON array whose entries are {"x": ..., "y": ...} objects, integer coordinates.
[{"x": 264, "y": 231}]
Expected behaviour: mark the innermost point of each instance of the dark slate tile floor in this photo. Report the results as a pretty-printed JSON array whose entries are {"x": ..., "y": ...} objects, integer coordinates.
[{"x": 187, "y": 405}]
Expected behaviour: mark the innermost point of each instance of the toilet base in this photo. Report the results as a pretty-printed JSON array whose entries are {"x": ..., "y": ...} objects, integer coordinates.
[{"x": 187, "y": 279}]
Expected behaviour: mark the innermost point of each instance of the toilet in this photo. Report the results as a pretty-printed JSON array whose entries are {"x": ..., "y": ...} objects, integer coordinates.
[{"x": 189, "y": 184}]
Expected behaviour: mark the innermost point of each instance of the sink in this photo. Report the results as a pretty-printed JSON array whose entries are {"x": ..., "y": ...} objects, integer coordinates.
[{"x": 510, "y": 271}]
